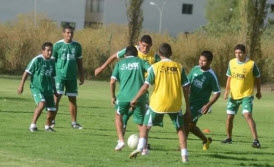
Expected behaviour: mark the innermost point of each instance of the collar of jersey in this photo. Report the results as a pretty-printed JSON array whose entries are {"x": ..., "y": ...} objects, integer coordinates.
[
  {"x": 165, "y": 59},
  {"x": 246, "y": 59},
  {"x": 130, "y": 56}
]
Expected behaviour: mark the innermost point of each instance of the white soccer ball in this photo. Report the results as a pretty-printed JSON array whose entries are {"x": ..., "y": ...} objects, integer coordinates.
[{"x": 132, "y": 141}]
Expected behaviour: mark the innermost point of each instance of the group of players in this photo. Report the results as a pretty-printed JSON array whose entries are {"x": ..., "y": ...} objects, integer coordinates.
[{"x": 139, "y": 69}]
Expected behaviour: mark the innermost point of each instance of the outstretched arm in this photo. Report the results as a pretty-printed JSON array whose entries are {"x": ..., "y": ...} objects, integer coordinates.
[
  {"x": 102, "y": 67},
  {"x": 20, "y": 88},
  {"x": 139, "y": 94},
  {"x": 227, "y": 88}
]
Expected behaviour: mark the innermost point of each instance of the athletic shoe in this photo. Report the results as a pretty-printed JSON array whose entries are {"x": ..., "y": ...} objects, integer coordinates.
[
  {"x": 185, "y": 159},
  {"x": 134, "y": 154},
  {"x": 33, "y": 129},
  {"x": 119, "y": 146},
  {"x": 206, "y": 145},
  {"x": 227, "y": 141},
  {"x": 50, "y": 129},
  {"x": 145, "y": 152},
  {"x": 76, "y": 126},
  {"x": 256, "y": 144}
]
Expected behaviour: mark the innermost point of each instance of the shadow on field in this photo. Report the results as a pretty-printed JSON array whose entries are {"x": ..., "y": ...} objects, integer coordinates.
[
  {"x": 14, "y": 99},
  {"x": 16, "y": 112},
  {"x": 227, "y": 157}
]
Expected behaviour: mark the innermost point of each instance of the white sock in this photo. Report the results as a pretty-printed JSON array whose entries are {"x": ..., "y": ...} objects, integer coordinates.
[
  {"x": 32, "y": 125},
  {"x": 184, "y": 152},
  {"x": 46, "y": 126},
  {"x": 141, "y": 144},
  {"x": 73, "y": 123}
]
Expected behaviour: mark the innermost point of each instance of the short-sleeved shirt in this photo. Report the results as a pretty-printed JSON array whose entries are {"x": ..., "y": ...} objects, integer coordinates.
[
  {"x": 242, "y": 78},
  {"x": 130, "y": 74},
  {"x": 168, "y": 78},
  {"x": 42, "y": 72},
  {"x": 66, "y": 55},
  {"x": 203, "y": 83},
  {"x": 151, "y": 57}
]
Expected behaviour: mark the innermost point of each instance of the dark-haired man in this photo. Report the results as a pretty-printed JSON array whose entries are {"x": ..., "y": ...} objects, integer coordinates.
[
  {"x": 68, "y": 59},
  {"x": 129, "y": 72},
  {"x": 168, "y": 78},
  {"x": 203, "y": 81},
  {"x": 41, "y": 68}
]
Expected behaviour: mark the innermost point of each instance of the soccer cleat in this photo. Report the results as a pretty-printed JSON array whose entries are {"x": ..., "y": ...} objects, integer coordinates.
[
  {"x": 49, "y": 129},
  {"x": 227, "y": 141},
  {"x": 119, "y": 146},
  {"x": 76, "y": 126},
  {"x": 256, "y": 144},
  {"x": 185, "y": 159},
  {"x": 206, "y": 145},
  {"x": 145, "y": 152},
  {"x": 134, "y": 154},
  {"x": 33, "y": 129}
]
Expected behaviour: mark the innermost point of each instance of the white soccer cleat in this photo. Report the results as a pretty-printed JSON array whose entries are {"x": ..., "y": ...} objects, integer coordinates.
[
  {"x": 144, "y": 152},
  {"x": 119, "y": 146},
  {"x": 185, "y": 159}
]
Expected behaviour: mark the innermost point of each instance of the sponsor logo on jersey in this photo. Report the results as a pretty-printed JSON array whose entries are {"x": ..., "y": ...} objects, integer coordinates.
[{"x": 130, "y": 66}]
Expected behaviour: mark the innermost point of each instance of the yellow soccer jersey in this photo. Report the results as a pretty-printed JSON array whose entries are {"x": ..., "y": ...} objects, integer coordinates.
[
  {"x": 242, "y": 78},
  {"x": 168, "y": 78}
]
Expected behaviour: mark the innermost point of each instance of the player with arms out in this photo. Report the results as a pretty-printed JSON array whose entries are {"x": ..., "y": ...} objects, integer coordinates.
[
  {"x": 68, "y": 59},
  {"x": 242, "y": 74},
  {"x": 42, "y": 70},
  {"x": 203, "y": 81},
  {"x": 129, "y": 72},
  {"x": 168, "y": 78}
]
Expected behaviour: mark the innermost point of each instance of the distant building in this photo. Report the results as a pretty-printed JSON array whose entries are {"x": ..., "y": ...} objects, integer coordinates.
[{"x": 177, "y": 15}]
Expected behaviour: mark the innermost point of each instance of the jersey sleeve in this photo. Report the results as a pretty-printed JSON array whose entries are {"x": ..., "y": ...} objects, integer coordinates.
[
  {"x": 121, "y": 53},
  {"x": 157, "y": 58},
  {"x": 190, "y": 75},
  {"x": 79, "y": 52},
  {"x": 151, "y": 76},
  {"x": 115, "y": 73},
  {"x": 54, "y": 52},
  {"x": 256, "y": 71},
  {"x": 215, "y": 84},
  {"x": 228, "y": 72},
  {"x": 184, "y": 79},
  {"x": 31, "y": 68}
]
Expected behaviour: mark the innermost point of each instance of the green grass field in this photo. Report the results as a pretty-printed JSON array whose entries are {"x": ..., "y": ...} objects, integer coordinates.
[{"x": 94, "y": 145}]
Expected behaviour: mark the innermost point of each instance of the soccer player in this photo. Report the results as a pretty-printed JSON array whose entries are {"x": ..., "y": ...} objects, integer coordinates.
[
  {"x": 203, "y": 82},
  {"x": 68, "y": 58},
  {"x": 168, "y": 78},
  {"x": 144, "y": 53},
  {"x": 129, "y": 72},
  {"x": 42, "y": 70},
  {"x": 241, "y": 75}
]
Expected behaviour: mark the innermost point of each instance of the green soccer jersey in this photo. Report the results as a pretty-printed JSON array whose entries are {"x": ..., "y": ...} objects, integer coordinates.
[
  {"x": 130, "y": 74},
  {"x": 42, "y": 72},
  {"x": 66, "y": 55},
  {"x": 203, "y": 83}
]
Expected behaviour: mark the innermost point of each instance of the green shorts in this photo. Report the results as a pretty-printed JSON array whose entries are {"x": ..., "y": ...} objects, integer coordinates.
[
  {"x": 69, "y": 85},
  {"x": 45, "y": 97},
  {"x": 233, "y": 105},
  {"x": 122, "y": 108},
  {"x": 155, "y": 119},
  {"x": 196, "y": 110}
]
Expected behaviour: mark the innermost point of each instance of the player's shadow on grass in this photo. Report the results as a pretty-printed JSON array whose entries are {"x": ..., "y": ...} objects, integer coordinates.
[
  {"x": 227, "y": 157},
  {"x": 16, "y": 112},
  {"x": 6, "y": 99}
]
